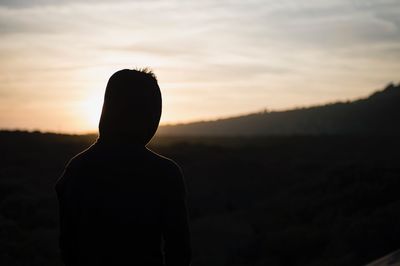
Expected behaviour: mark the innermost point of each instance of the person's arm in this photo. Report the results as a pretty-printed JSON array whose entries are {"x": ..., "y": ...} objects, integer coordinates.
[
  {"x": 176, "y": 232},
  {"x": 66, "y": 233}
]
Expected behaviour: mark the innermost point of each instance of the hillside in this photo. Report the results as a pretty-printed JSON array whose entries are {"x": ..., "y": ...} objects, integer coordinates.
[
  {"x": 298, "y": 201},
  {"x": 377, "y": 114}
]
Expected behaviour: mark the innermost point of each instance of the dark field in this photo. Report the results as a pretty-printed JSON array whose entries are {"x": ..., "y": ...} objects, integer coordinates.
[{"x": 253, "y": 201}]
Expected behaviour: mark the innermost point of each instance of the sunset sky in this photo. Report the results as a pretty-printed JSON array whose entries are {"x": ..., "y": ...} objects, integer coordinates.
[{"x": 212, "y": 58}]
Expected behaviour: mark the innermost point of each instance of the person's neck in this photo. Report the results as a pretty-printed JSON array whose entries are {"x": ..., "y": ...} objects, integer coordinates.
[{"x": 117, "y": 143}]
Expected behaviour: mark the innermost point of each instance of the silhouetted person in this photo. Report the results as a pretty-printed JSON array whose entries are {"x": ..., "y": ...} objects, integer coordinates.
[{"x": 120, "y": 203}]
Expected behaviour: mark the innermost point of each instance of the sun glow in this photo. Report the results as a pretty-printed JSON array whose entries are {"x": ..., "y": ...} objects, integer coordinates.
[{"x": 91, "y": 110}]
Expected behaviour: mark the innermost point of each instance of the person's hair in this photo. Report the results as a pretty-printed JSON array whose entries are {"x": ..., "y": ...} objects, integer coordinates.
[
  {"x": 147, "y": 71},
  {"x": 132, "y": 106}
]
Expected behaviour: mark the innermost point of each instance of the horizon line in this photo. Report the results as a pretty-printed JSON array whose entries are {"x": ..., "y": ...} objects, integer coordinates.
[{"x": 171, "y": 124}]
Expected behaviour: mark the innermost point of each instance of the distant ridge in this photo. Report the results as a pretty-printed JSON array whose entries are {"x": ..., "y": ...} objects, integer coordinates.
[{"x": 378, "y": 114}]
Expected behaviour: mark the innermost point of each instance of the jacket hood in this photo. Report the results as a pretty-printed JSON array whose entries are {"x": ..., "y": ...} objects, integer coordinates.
[{"x": 131, "y": 109}]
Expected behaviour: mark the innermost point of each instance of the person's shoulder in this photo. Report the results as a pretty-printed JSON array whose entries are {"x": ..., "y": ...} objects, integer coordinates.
[
  {"x": 73, "y": 167},
  {"x": 76, "y": 162},
  {"x": 166, "y": 164},
  {"x": 173, "y": 179},
  {"x": 81, "y": 158}
]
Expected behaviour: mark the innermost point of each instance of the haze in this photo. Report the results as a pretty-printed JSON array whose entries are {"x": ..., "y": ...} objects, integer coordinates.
[{"x": 212, "y": 58}]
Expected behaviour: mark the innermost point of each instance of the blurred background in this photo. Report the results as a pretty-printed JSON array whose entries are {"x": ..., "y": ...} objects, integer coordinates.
[{"x": 283, "y": 115}]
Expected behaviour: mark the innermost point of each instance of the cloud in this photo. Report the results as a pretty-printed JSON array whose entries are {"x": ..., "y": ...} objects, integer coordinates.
[
  {"x": 250, "y": 53},
  {"x": 44, "y": 3}
]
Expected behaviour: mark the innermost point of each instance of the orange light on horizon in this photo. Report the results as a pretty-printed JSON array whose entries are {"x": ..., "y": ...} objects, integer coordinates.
[{"x": 90, "y": 108}]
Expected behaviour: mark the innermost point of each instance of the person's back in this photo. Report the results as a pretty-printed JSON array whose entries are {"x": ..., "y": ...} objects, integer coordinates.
[{"x": 120, "y": 202}]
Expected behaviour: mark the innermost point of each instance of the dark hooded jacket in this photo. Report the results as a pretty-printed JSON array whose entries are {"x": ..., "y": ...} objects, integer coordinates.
[{"x": 120, "y": 203}]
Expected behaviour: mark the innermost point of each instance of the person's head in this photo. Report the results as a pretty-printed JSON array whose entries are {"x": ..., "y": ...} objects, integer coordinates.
[{"x": 132, "y": 107}]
